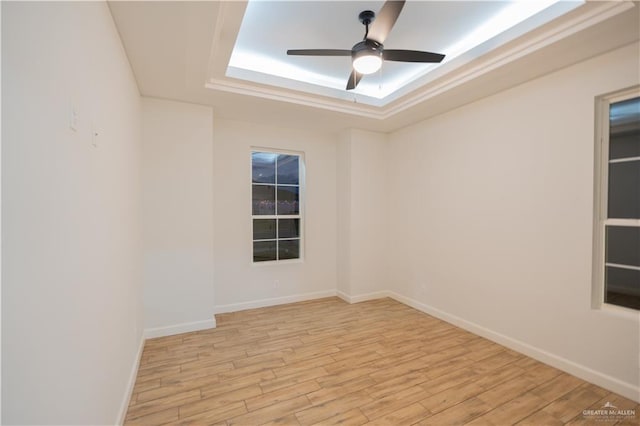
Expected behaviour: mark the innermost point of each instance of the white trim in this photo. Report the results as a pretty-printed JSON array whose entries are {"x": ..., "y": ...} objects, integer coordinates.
[
  {"x": 124, "y": 406},
  {"x": 186, "y": 327},
  {"x": 344, "y": 296},
  {"x": 601, "y": 188},
  {"x": 262, "y": 303},
  {"x": 363, "y": 297},
  {"x": 622, "y": 222},
  {"x": 617, "y": 265},
  {"x": 625, "y": 389},
  {"x": 624, "y": 160}
]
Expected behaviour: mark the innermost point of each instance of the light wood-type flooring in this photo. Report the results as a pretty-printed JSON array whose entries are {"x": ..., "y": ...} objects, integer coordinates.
[{"x": 376, "y": 363}]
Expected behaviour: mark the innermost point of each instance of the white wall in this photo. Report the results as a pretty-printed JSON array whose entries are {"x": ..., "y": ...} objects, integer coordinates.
[
  {"x": 493, "y": 213},
  {"x": 343, "y": 190},
  {"x": 177, "y": 206},
  {"x": 71, "y": 293},
  {"x": 239, "y": 284},
  {"x": 362, "y": 214}
]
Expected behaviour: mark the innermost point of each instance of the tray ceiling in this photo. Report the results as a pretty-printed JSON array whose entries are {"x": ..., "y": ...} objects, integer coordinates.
[
  {"x": 462, "y": 30},
  {"x": 193, "y": 51}
]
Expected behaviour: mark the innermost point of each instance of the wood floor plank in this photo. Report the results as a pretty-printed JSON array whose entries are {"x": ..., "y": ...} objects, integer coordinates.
[
  {"x": 280, "y": 395},
  {"x": 330, "y": 392},
  {"x": 293, "y": 379},
  {"x": 271, "y": 412},
  {"x": 398, "y": 384},
  {"x": 319, "y": 413},
  {"x": 458, "y": 414},
  {"x": 158, "y": 417},
  {"x": 512, "y": 411},
  {"x": 238, "y": 383},
  {"x": 540, "y": 418},
  {"x": 390, "y": 403},
  {"x": 450, "y": 397},
  {"x": 407, "y": 415},
  {"x": 352, "y": 417},
  {"x": 219, "y": 401},
  {"x": 566, "y": 407},
  {"x": 161, "y": 404},
  {"x": 214, "y": 416},
  {"x": 327, "y": 362},
  {"x": 289, "y": 420}
]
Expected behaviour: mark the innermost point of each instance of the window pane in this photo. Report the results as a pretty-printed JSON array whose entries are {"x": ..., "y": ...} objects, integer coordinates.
[
  {"x": 288, "y": 200},
  {"x": 288, "y": 169},
  {"x": 624, "y": 190},
  {"x": 263, "y": 167},
  {"x": 622, "y": 287},
  {"x": 623, "y": 245},
  {"x": 264, "y": 229},
  {"x": 624, "y": 129},
  {"x": 289, "y": 249},
  {"x": 264, "y": 251},
  {"x": 624, "y": 145},
  {"x": 288, "y": 228},
  {"x": 264, "y": 199}
]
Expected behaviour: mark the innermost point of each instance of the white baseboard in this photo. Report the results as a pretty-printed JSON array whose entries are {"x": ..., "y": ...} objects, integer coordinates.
[
  {"x": 235, "y": 307},
  {"x": 150, "y": 333},
  {"x": 131, "y": 383},
  {"x": 625, "y": 389},
  {"x": 363, "y": 297}
]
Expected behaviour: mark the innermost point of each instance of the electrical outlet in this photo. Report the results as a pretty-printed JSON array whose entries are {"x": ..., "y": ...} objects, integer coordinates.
[{"x": 276, "y": 284}]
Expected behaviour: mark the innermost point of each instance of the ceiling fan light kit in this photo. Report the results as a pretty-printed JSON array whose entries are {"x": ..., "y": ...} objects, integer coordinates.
[{"x": 367, "y": 56}]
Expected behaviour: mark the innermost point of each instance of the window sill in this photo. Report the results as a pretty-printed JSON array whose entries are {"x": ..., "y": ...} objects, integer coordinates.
[
  {"x": 619, "y": 311},
  {"x": 278, "y": 262}
]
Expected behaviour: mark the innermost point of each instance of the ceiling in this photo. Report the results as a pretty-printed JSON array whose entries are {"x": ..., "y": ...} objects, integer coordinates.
[{"x": 232, "y": 55}]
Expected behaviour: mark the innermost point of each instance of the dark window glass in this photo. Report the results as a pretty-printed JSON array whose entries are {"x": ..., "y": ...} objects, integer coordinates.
[
  {"x": 288, "y": 200},
  {"x": 622, "y": 287},
  {"x": 288, "y": 228},
  {"x": 289, "y": 249},
  {"x": 622, "y": 245},
  {"x": 264, "y": 200},
  {"x": 624, "y": 190},
  {"x": 263, "y": 168},
  {"x": 264, "y": 229},
  {"x": 288, "y": 169},
  {"x": 624, "y": 129},
  {"x": 624, "y": 145},
  {"x": 264, "y": 251}
]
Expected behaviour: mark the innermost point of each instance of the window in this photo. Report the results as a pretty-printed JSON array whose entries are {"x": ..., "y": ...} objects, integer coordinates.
[
  {"x": 276, "y": 183},
  {"x": 617, "y": 233}
]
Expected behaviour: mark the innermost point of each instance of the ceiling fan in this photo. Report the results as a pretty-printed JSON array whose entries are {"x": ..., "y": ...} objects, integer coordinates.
[{"x": 368, "y": 54}]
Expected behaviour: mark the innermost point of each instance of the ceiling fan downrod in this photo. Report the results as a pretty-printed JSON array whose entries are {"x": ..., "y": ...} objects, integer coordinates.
[{"x": 366, "y": 17}]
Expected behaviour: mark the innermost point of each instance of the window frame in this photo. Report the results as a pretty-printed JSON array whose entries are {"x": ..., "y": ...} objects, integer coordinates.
[
  {"x": 301, "y": 205},
  {"x": 601, "y": 195}
]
